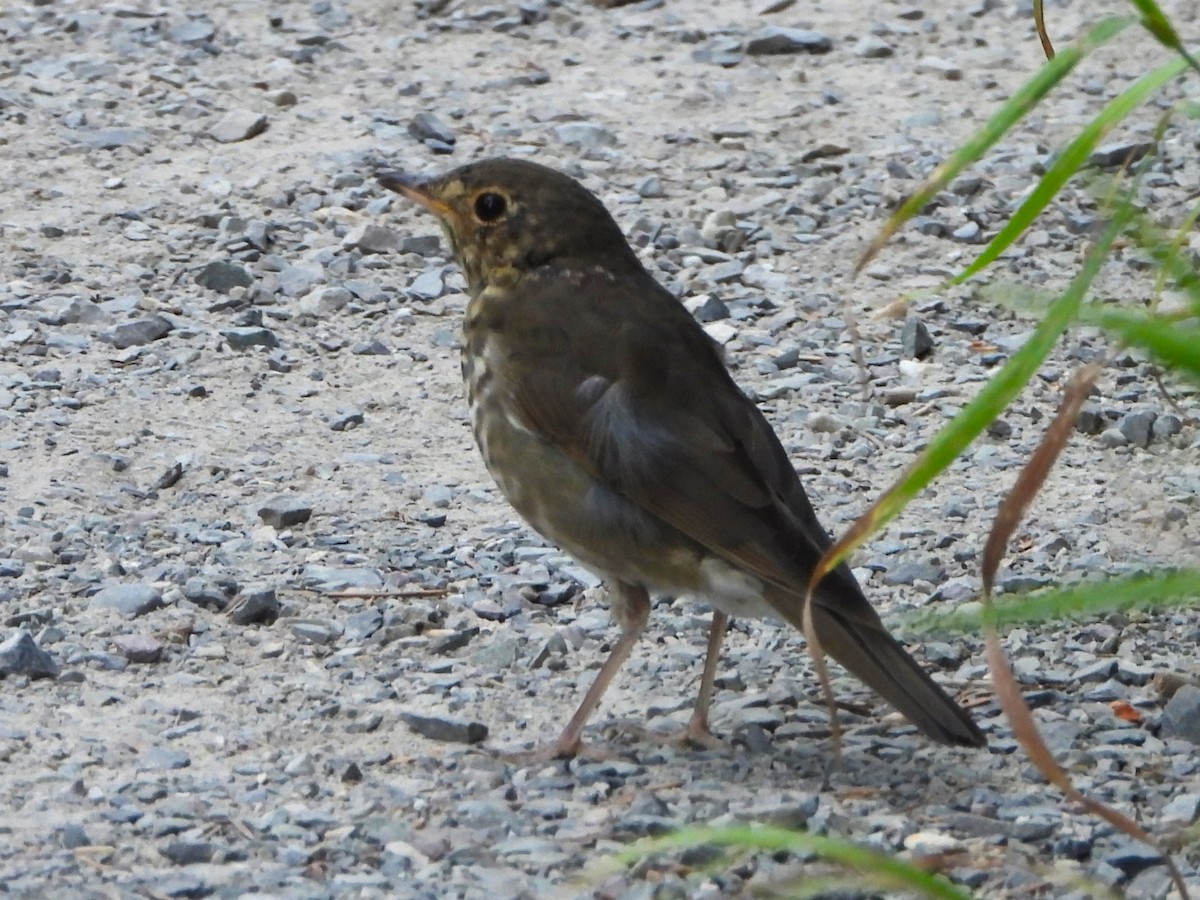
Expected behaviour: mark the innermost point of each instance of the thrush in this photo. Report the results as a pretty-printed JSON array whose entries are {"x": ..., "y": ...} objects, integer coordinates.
[{"x": 609, "y": 421}]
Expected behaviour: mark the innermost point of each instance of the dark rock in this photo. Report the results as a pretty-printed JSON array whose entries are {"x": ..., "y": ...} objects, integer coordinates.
[
  {"x": 909, "y": 571},
  {"x": 1166, "y": 426},
  {"x": 169, "y": 478},
  {"x": 915, "y": 340},
  {"x": 164, "y": 759},
  {"x": 1132, "y": 858},
  {"x": 774, "y": 40},
  {"x": 129, "y": 599},
  {"x": 20, "y": 655},
  {"x": 1181, "y": 716},
  {"x": 1110, "y": 156},
  {"x": 1091, "y": 420},
  {"x": 712, "y": 310},
  {"x": 73, "y": 836},
  {"x": 139, "y": 648},
  {"x": 438, "y": 728},
  {"x": 1137, "y": 427},
  {"x": 186, "y": 853},
  {"x": 137, "y": 334},
  {"x": 222, "y": 277},
  {"x": 238, "y": 125},
  {"x": 345, "y": 419},
  {"x": 428, "y": 127},
  {"x": 255, "y": 606},
  {"x": 970, "y": 326},
  {"x": 284, "y": 512},
  {"x": 585, "y": 135},
  {"x": 247, "y": 337},
  {"x": 370, "y": 238}
]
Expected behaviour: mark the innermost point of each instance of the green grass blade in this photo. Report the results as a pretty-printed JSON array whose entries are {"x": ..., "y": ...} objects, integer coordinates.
[
  {"x": 1070, "y": 161},
  {"x": 886, "y": 871},
  {"x": 1174, "y": 344},
  {"x": 1156, "y": 22},
  {"x": 995, "y": 396},
  {"x": 1013, "y": 110},
  {"x": 1094, "y": 598}
]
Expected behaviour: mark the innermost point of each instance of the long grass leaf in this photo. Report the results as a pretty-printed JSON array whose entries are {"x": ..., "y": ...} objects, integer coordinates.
[
  {"x": 1013, "y": 110},
  {"x": 1001, "y": 390},
  {"x": 1071, "y": 161},
  {"x": 1158, "y": 590}
]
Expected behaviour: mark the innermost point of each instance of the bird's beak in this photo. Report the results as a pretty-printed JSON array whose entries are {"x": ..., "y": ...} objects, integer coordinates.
[{"x": 416, "y": 189}]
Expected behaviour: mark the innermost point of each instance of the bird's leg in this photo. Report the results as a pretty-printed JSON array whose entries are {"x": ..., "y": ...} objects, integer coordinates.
[
  {"x": 630, "y": 606},
  {"x": 697, "y": 731}
]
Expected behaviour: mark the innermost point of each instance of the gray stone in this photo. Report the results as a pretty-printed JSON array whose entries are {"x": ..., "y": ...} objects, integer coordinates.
[
  {"x": 1132, "y": 857},
  {"x": 346, "y": 419},
  {"x": 186, "y": 853},
  {"x": 935, "y": 65},
  {"x": 915, "y": 340},
  {"x": 20, "y": 655},
  {"x": 238, "y": 125},
  {"x": 131, "y": 600},
  {"x": 651, "y": 187},
  {"x": 80, "y": 311},
  {"x": 1181, "y": 811},
  {"x": 585, "y": 135},
  {"x": 968, "y": 233},
  {"x": 137, "y": 333},
  {"x": 871, "y": 46},
  {"x": 193, "y": 31},
  {"x": 1137, "y": 427},
  {"x": 912, "y": 570},
  {"x": 112, "y": 138},
  {"x": 1098, "y": 671},
  {"x": 330, "y": 578},
  {"x": 298, "y": 280},
  {"x": 1113, "y": 437},
  {"x": 426, "y": 126},
  {"x": 713, "y": 309},
  {"x": 370, "y": 238},
  {"x": 421, "y": 244},
  {"x": 139, "y": 648},
  {"x": 426, "y": 286},
  {"x": 438, "y": 728},
  {"x": 1167, "y": 425},
  {"x": 73, "y": 836},
  {"x": 1181, "y": 716},
  {"x": 164, "y": 759},
  {"x": 284, "y": 512},
  {"x": 254, "y": 606},
  {"x": 370, "y": 348},
  {"x": 1110, "y": 156},
  {"x": 246, "y": 337},
  {"x": 773, "y": 40},
  {"x": 1091, "y": 420},
  {"x": 222, "y": 276}
]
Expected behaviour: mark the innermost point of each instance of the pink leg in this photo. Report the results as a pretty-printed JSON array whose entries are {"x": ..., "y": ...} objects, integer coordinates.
[
  {"x": 631, "y": 609},
  {"x": 697, "y": 731}
]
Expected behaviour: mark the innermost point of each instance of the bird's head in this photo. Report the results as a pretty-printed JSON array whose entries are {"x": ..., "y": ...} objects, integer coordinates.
[{"x": 509, "y": 216}]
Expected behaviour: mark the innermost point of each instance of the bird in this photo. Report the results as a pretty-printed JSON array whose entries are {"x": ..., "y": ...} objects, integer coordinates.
[{"x": 608, "y": 419}]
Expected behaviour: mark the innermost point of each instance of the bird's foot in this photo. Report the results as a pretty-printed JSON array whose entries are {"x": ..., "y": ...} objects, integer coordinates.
[{"x": 695, "y": 734}]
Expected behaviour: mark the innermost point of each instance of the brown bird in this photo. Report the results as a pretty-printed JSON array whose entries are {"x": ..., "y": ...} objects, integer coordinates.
[{"x": 608, "y": 419}]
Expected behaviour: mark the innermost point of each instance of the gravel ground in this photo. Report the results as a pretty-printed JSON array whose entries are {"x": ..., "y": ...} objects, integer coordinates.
[{"x": 261, "y": 604}]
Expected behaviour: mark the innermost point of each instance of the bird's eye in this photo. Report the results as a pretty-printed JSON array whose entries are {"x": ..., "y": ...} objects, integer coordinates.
[{"x": 490, "y": 206}]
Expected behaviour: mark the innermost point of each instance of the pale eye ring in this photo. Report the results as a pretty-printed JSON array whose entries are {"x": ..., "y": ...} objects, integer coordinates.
[{"x": 490, "y": 206}]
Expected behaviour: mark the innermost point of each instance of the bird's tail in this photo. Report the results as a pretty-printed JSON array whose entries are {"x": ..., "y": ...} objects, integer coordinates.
[{"x": 877, "y": 658}]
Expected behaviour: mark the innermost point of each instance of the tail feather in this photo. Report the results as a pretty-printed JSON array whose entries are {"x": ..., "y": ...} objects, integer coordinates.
[{"x": 877, "y": 659}]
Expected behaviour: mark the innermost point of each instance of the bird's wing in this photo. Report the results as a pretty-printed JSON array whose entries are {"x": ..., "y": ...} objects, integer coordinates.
[{"x": 650, "y": 411}]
